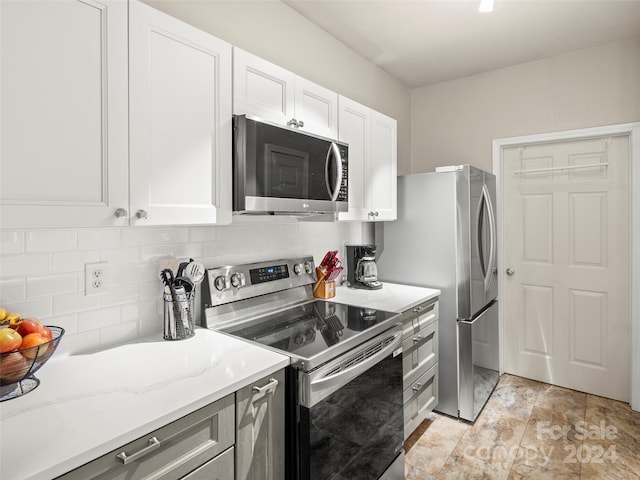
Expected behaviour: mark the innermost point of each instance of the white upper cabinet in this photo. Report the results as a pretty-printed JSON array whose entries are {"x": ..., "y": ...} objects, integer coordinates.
[
  {"x": 270, "y": 92},
  {"x": 180, "y": 114},
  {"x": 372, "y": 139},
  {"x": 63, "y": 153}
]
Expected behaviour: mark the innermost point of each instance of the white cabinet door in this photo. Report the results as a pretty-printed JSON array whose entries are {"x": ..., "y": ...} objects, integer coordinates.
[
  {"x": 382, "y": 168},
  {"x": 372, "y": 139},
  {"x": 180, "y": 114},
  {"x": 260, "y": 432},
  {"x": 270, "y": 92},
  {"x": 355, "y": 129},
  {"x": 63, "y": 156},
  {"x": 317, "y": 108},
  {"x": 262, "y": 89}
]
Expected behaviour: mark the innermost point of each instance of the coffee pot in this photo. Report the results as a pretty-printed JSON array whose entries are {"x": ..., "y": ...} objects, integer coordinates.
[{"x": 362, "y": 271}]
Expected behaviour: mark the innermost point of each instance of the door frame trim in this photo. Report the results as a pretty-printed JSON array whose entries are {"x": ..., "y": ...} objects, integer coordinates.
[{"x": 632, "y": 130}]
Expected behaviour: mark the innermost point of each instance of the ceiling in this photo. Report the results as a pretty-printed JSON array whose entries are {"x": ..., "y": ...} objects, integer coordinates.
[{"x": 422, "y": 42}]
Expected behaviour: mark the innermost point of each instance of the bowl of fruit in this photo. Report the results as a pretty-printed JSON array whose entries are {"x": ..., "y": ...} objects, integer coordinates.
[{"x": 25, "y": 346}]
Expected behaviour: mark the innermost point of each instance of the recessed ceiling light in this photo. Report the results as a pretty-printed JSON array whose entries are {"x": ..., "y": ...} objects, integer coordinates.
[{"x": 486, "y": 6}]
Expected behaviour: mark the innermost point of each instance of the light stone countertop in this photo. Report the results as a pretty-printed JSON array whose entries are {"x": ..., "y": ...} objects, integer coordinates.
[
  {"x": 88, "y": 405},
  {"x": 391, "y": 297}
]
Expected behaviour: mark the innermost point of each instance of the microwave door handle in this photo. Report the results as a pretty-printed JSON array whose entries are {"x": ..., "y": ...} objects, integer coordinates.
[{"x": 333, "y": 190}]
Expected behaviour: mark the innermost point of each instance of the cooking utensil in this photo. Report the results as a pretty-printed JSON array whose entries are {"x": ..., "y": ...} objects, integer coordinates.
[
  {"x": 167, "y": 278},
  {"x": 195, "y": 272},
  {"x": 184, "y": 282},
  {"x": 181, "y": 268}
]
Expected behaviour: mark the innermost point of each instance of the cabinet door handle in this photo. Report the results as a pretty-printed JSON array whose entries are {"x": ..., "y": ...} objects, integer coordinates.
[
  {"x": 271, "y": 386},
  {"x": 151, "y": 446},
  {"x": 120, "y": 213},
  {"x": 292, "y": 123},
  {"x": 417, "y": 387},
  {"x": 417, "y": 338}
]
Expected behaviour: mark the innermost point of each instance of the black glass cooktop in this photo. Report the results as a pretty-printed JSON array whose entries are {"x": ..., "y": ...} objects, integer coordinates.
[{"x": 315, "y": 332}]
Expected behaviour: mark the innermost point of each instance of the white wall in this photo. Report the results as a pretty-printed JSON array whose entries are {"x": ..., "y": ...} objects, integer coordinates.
[
  {"x": 276, "y": 32},
  {"x": 455, "y": 122}
]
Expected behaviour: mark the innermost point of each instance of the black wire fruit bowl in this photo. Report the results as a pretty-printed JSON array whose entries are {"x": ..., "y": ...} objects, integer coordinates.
[{"x": 17, "y": 367}]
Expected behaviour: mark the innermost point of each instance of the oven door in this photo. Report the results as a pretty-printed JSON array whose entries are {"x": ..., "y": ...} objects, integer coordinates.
[{"x": 351, "y": 414}]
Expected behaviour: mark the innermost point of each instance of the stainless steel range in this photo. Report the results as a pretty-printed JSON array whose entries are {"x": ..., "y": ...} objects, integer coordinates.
[{"x": 344, "y": 386}]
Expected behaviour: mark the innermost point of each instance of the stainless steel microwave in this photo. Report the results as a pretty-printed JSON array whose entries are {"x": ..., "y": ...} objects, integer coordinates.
[{"x": 282, "y": 170}]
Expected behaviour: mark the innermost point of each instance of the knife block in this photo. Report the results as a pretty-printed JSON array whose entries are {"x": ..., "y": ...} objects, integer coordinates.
[{"x": 323, "y": 289}]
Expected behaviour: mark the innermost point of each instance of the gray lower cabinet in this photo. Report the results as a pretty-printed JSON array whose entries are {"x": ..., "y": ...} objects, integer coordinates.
[
  {"x": 198, "y": 446},
  {"x": 260, "y": 430},
  {"x": 419, "y": 363}
]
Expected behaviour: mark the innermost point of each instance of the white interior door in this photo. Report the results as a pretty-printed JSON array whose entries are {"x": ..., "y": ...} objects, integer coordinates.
[{"x": 566, "y": 255}]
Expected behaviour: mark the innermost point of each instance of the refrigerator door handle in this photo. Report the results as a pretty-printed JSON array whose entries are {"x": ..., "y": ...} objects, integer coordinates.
[
  {"x": 486, "y": 268},
  {"x": 493, "y": 230}
]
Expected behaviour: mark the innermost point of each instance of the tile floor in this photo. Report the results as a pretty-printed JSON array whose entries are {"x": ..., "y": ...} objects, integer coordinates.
[{"x": 530, "y": 430}]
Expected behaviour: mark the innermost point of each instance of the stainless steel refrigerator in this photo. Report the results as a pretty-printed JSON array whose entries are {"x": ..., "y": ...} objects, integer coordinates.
[{"x": 445, "y": 237}]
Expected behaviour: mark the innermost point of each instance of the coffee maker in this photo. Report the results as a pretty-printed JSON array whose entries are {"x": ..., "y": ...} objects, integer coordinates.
[{"x": 361, "y": 267}]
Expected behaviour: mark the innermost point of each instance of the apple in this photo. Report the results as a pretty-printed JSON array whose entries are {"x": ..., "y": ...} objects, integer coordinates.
[
  {"x": 29, "y": 325},
  {"x": 30, "y": 342},
  {"x": 9, "y": 340},
  {"x": 46, "y": 332},
  {"x": 13, "y": 367}
]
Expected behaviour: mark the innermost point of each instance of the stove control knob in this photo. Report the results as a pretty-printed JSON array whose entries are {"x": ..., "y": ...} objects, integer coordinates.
[
  {"x": 308, "y": 267},
  {"x": 297, "y": 268},
  {"x": 221, "y": 282},
  {"x": 237, "y": 280}
]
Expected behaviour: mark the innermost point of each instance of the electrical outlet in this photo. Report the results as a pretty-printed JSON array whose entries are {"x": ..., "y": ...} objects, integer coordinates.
[{"x": 96, "y": 278}]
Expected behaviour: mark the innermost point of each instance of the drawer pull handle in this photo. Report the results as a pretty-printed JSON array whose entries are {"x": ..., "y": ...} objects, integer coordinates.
[
  {"x": 417, "y": 387},
  {"x": 152, "y": 445},
  {"x": 417, "y": 338},
  {"x": 419, "y": 308},
  {"x": 269, "y": 387}
]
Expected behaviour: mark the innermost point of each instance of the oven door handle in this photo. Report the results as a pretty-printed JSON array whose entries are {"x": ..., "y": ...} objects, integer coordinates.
[{"x": 334, "y": 381}]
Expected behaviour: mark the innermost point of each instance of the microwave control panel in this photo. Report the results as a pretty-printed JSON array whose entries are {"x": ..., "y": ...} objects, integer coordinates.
[{"x": 343, "y": 196}]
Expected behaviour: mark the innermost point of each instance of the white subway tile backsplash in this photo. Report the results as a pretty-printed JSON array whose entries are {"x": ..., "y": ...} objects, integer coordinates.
[
  {"x": 73, "y": 261},
  {"x": 79, "y": 342},
  {"x": 25, "y": 265},
  {"x": 98, "y": 238},
  {"x": 104, "y": 317},
  {"x": 154, "y": 236},
  {"x": 74, "y": 302},
  {"x": 123, "y": 255},
  {"x": 47, "y": 281},
  {"x": 30, "y": 308},
  {"x": 154, "y": 253},
  {"x": 118, "y": 334},
  {"x": 11, "y": 243},
  {"x": 68, "y": 322},
  {"x": 120, "y": 294},
  {"x": 12, "y": 290},
  {"x": 189, "y": 250},
  {"x": 51, "y": 240},
  {"x": 52, "y": 284}
]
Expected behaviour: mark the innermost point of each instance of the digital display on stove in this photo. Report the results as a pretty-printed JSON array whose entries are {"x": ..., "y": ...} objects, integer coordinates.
[{"x": 268, "y": 274}]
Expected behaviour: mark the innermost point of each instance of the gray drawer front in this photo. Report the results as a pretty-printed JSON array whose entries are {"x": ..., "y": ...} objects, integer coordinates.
[
  {"x": 419, "y": 353},
  {"x": 220, "y": 468},
  {"x": 417, "y": 318},
  {"x": 420, "y": 399},
  {"x": 184, "y": 445}
]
